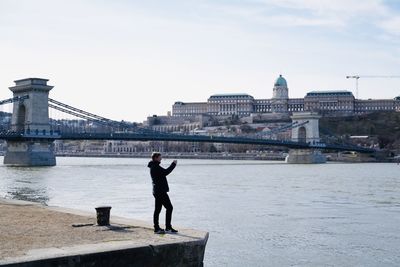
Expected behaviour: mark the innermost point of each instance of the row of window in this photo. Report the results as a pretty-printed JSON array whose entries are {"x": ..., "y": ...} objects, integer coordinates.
[
  {"x": 190, "y": 111},
  {"x": 374, "y": 105},
  {"x": 176, "y": 127},
  {"x": 230, "y": 101},
  {"x": 301, "y": 108},
  {"x": 263, "y": 101},
  {"x": 376, "y": 108},
  {"x": 233, "y": 113},
  {"x": 328, "y": 106}
]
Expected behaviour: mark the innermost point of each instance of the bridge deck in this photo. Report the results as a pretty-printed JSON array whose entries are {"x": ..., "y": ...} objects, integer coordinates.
[{"x": 182, "y": 138}]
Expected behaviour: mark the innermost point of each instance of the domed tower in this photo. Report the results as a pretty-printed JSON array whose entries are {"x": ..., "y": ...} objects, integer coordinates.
[{"x": 280, "y": 96}]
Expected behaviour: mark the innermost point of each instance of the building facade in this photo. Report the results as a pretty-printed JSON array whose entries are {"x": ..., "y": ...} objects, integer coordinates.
[
  {"x": 330, "y": 102},
  {"x": 280, "y": 96},
  {"x": 230, "y": 104},
  {"x": 181, "y": 109},
  {"x": 327, "y": 103}
]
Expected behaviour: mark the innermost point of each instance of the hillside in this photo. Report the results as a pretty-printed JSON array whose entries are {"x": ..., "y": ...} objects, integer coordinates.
[{"x": 384, "y": 127}]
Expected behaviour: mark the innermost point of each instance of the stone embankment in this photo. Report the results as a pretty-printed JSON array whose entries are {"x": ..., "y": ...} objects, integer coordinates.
[{"x": 36, "y": 235}]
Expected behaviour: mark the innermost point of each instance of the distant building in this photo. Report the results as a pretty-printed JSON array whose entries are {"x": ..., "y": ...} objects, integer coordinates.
[
  {"x": 188, "y": 109},
  {"x": 373, "y": 105},
  {"x": 230, "y": 104},
  {"x": 327, "y": 103},
  {"x": 330, "y": 102},
  {"x": 176, "y": 123}
]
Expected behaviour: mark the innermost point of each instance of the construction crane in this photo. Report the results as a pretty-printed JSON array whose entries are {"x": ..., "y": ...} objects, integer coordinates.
[{"x": 356, "y": 77}]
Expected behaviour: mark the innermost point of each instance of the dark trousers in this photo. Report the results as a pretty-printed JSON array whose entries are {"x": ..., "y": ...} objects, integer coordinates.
[{"x": 162, "y": 200}]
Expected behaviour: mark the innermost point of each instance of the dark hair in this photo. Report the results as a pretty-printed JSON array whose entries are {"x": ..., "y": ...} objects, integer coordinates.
[{"x": 155, "y": 155}]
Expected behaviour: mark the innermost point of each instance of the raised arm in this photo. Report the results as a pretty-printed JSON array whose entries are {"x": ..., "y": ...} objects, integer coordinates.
[{"x": 169, "y": 169}]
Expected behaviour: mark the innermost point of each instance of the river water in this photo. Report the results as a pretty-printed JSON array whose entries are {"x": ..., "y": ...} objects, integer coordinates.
[{"x": 257, "y": 213}]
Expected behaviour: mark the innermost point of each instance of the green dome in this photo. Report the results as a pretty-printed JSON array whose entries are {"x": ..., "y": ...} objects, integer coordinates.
[{"x": 280, "y": 81}]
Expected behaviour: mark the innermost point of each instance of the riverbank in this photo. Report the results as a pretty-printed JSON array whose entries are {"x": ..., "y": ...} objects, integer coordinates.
[
  {"x": 37, "y": 235},
  {"x": 332, "y": 157},
  {"x": 193, "y": 155},
  {"x": 279, "y": 156}
]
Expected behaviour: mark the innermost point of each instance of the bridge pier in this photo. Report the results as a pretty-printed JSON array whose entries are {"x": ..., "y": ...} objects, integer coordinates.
[
  {"x": 305, "y": 156},
  {"x": 30, "y": 116},
  {"x": 30, "y": 153}
]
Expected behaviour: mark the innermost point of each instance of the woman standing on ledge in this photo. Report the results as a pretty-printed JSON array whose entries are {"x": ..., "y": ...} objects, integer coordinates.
[{"x": 160, "y": 190}]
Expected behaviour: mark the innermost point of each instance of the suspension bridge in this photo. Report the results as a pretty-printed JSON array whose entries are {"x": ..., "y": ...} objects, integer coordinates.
[{"x": 32, "y": 131}]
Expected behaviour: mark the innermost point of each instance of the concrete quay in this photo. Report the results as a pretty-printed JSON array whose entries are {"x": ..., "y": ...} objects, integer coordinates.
[{"x": 35, "y": 235}]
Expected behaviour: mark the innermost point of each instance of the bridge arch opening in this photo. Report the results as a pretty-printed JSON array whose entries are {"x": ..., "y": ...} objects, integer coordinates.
[
  {"x": 302, "y": 134},
  {"x": 21, "y": 118}
]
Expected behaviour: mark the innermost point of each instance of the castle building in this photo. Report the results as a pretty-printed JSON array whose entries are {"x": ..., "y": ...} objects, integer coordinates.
[
  {"x": 280, "y": 96},
  {"x": 327, "y": 103},
  {"x": 339, "y": 102}
]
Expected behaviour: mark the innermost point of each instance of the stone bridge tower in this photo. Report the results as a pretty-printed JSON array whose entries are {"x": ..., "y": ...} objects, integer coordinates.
[
  {"x": 307, "y": 132},
  {"x": 31, "y": 117}
]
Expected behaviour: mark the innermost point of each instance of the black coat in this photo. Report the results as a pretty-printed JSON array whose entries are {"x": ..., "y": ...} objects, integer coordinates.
[{"x": 159, "y": 177}]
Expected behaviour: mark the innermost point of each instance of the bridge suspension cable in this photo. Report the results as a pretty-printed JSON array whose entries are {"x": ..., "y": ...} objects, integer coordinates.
[
  {"x": 87, "y": 115},
  {"x": 77, "y": 110},
  {"x": 285, "y": 128},
  {"x": 14, "y": 99},
  {"x": 77, "y": 114}
]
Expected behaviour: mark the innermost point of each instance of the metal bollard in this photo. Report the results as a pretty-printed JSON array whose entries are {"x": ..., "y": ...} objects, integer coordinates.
[{"x": 103, "y": 215}]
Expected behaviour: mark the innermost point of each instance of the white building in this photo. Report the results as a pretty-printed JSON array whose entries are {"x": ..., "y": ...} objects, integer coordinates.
[{"x": 327, "y": 103}]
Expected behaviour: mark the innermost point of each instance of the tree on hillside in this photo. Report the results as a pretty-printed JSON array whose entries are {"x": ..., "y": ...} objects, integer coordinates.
[{"x": 247, "y": 129}]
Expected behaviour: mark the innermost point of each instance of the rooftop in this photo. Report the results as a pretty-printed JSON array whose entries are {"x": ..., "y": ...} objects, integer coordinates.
[
  {"x": 280, "y": 81},
  {"x": 189, "y": 103},
  {"x": 330, "y": 92},
  {"x": 29, "y": 81},
  {"x": 230, "y": 95}
]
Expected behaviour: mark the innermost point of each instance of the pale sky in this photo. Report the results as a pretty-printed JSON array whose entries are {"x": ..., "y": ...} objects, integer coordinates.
[{"x": 130, "y": 59}]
